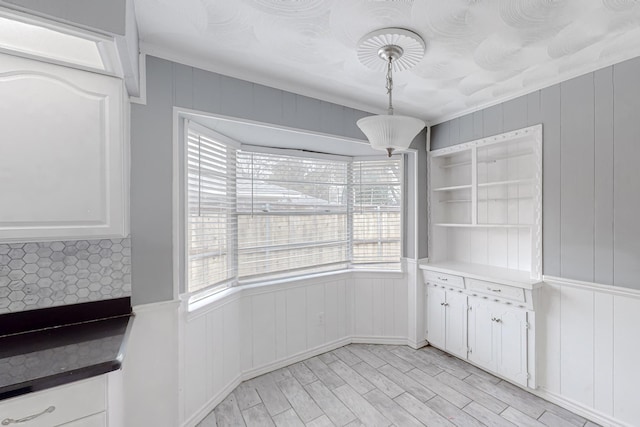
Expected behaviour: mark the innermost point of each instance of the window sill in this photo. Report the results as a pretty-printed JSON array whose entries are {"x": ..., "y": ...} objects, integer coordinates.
[{"x": 209, "y": 302}]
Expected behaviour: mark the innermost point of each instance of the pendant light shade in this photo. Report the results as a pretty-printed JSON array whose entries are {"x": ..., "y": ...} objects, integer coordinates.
[
  {"x": 390, "y": 132},
  {"x": 400, "y": 49}
]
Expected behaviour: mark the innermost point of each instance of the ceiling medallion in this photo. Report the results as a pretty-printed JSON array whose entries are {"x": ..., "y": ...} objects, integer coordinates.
[{"x": 390, "y": 49}]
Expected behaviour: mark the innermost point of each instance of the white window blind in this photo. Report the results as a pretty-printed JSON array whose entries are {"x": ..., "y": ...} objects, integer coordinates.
[
  {"x": 377, "y": 207},
  {"x": 211, "y": 207},
  {"x": 252, "y": 215},
  {"x": 292, "y": 214}
]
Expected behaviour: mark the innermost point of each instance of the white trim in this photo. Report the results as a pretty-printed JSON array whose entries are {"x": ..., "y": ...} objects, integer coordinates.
[
  {"x": 218, "y": 137},
  {"x": 588, "y": 68},
  {"x": 105, "y": 44},
  {"x": 294, "y": 153},
  {"x": 203, "y": 306},
  {"x": 396, "y": 155},
  {"x": 370, "y": 339},
  {"x": 578, "y": 408},
  {"x": 155, "y": 306},
  {"x": 186, "y": 117},
  {"x": 303, "y": 355},
  {"x": 254, "y": 77},
  {"x": 142, "y": 71},
  {"x": 416, "y": 208},
  {"x": 176, "y": 202},
  {"x": 597, "y": 287},
  {"x": 417, "y": 344},
  {"x": 263, "y": 79},
  {"x": 200, "y": 414},
  {"x": 204, "y": 114}
]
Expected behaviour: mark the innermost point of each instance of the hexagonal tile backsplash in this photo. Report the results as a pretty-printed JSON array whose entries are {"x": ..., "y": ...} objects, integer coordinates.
[{"x": 38, "y": 275}]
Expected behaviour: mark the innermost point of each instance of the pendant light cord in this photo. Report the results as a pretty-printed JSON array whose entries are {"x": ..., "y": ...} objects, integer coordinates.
[{"x": 390, "y": 86}]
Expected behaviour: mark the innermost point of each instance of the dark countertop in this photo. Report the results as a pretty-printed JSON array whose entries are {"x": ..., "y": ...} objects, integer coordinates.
[{"x": 45, "y": 348}]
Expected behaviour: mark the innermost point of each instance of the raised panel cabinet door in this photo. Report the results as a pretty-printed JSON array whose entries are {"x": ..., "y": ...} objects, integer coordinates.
[
  {"x": 435, "y": 316},
  {"x": 62, "y": 156},
  {"x": 512, "y": 344},
  {"x": 482, "y": 334},
  {"x": 456, "y": 324}
]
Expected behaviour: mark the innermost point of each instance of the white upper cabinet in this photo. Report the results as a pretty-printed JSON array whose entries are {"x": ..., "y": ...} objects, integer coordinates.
[
  {"x": 63, "y": 153},
  {"x": 485, "y": 203}
]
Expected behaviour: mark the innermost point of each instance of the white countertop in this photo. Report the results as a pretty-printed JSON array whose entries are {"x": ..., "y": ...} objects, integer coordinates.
[{"x": 505, "y": 276}]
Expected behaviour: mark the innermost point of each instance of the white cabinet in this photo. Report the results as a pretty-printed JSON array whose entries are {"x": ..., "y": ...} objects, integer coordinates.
[
  {"x": 498, "y": 339},
  {"x": 97, "y": 420},
  {"x": 490, "y": 324},
  {"x": 447, "y": 320},
  {"x": 78, "y": 404},
  {"x": 485, "y": 245},
  {"x": 436, "y": 328},
  {"x": 63, "y": 156},
  {"x": 482, "y": 337}
]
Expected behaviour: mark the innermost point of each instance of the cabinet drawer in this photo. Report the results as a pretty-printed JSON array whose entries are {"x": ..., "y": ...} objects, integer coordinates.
[
  {"x": 496, "y": 289},
  {"x": 443, "y": 279},
  {"x": 69, "y": 402},
  {"x": 97, "y": 420}
]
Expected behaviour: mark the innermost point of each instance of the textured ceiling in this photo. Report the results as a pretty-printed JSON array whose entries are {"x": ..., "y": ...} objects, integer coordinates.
[{"x": 478, "y": 52}]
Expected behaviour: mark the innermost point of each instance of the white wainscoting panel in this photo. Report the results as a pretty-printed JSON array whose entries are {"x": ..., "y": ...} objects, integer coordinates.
[
  {"x": 626, "y": 372},
  {"x": 150, "y": 367},
  {"x": 256, "y": 329},
  {"x": 380, "y": 308},
  {"x": 589, "y": 348}
]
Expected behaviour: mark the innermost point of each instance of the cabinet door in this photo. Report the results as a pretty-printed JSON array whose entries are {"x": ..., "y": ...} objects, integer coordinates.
[
  {"x": 63, "y": 157},
  {"x": 456, "y": 324},
  {"x": 482, "y": 334},
  {"x": 512, "y": 344},
  {"x": 435, "y": 316}
]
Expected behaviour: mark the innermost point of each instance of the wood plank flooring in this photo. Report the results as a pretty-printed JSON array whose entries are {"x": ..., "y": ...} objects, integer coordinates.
[{"x": 383, "y": 385}]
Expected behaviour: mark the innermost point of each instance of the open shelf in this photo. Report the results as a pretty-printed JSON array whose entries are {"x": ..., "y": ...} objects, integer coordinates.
[
  {"x": 509, "y": 182},
  {"x": 481, "y": 225},
  {"x": 486, "y": 202},
  {"x": 455, "y": 165},
  {"x": 455, "y": 201},
  {"x": 453, "y": 188},
  {"x": 506, "y": 156}
]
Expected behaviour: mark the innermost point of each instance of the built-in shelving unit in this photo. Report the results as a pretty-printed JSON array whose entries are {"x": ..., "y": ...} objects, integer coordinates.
[
  {"x": 485, "y": 202},
  {"x": 485, "y": 252}
]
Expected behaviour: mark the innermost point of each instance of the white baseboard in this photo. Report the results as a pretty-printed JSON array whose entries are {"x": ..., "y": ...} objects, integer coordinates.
[
  {"x": 252, "y": 373},
  {"x": 417, "y": 344},
  {"x": 364, "y": 339},
  {"x": 563, "y": 402},
  {"x": 580, "y": 409},
  {"x": 201, "y": 413}
]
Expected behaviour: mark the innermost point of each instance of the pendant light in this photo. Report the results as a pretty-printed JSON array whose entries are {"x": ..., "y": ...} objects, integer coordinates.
[{"x": 390, "y": 49}]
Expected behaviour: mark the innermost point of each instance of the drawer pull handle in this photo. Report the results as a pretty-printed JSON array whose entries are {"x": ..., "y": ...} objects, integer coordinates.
[
  {"x": 495, "y": 290},
  {"x": 495, "y": 319},
  {"x": 8, "y": 421},
  {"x": 444, "y": 279}
]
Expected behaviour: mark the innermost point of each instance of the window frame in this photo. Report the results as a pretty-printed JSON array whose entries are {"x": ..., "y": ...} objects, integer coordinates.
[{"x": 181, "y": 249}]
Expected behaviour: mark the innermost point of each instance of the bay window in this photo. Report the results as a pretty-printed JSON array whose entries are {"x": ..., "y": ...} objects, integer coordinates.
[{"x": 254, "y": 214}]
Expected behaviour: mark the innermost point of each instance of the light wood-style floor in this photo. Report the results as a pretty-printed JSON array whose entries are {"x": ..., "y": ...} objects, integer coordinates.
[{"x": 382, "y": 385}]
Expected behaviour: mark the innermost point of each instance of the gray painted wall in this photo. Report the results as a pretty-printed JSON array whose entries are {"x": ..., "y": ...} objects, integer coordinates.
[
  {"x": 591, "y": 193},
  {"x": 171, "y": 84}
]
